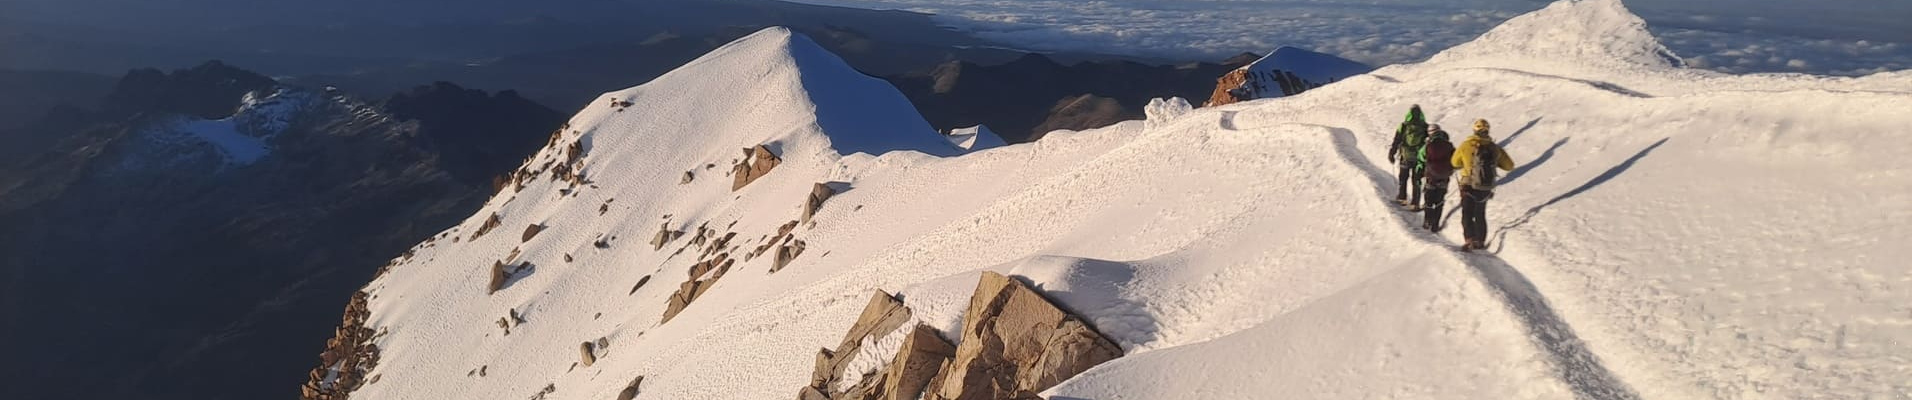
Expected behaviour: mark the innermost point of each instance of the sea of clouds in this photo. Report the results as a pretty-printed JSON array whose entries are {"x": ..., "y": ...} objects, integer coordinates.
[{"x": 1833, "y": 37}]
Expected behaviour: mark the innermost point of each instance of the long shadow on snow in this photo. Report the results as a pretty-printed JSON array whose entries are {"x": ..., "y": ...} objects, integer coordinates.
[
  {"x": 1518, "y": 171},
  {"x": 1517, "y": 132},
  {"x": 1574, "y": 364},
  {"x": 1597, "y": 181},
  {"x": 1522, "y": 169}
]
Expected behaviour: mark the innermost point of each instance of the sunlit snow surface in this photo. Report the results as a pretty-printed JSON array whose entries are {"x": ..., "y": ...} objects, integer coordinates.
[{"x": 1668, "y": 233}]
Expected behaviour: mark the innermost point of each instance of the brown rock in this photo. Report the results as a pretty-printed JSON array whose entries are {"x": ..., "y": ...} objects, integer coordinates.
[
  {"x": 686, "y": 292},
  {"x": 498, "y": 277},
  {"x": 811, "y": 393},
  {"x": 1016, "y": 343},
  {"x": 630, "y": 391},
  {"x": 584, "y": 352},
  {"x": 824, "y": 372},
  {"x": 490, "y": 223},
  {"x": 923, "y": 354},
  {"x": 688, "y": 176},
  {"x": 1223, "y": 87},
  {"x": 818, "y": 194},
  {"x": 759, "y": 162},
  {"x": 531, "y": 231},
  {"x": 786, "y": 254},
  {"x": 664, "y": 236},
  {"x": 882, "y": 315}
]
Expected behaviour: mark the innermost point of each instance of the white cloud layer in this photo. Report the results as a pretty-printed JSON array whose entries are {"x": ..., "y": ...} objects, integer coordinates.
[{"x": 1397, "y": 31}]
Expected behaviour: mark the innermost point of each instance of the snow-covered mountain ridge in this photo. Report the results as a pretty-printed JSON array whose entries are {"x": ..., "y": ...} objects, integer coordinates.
[{"x": 1668, "y": 233}]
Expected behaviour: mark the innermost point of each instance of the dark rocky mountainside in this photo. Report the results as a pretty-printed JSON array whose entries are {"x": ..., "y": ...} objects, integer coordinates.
[
  {"x": 1034, "y": 94},
  {"x": 196, "y": 236},
  {"x": 27, "y": 95}
]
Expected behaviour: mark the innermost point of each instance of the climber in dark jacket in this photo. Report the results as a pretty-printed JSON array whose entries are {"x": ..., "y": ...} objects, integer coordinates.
[
  {"x": 1406, "y": 149},
  {"x": 1436, "y": 156}
]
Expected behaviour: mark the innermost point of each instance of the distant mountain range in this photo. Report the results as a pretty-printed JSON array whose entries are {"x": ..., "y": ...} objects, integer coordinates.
[{"x": 193, "y": 235}]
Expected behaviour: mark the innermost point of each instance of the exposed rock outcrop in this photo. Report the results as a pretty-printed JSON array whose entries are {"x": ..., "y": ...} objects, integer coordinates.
[
  {"x": 498, "y": 277},
  {"x": 758, "y": 161},
  {"x": 921, "y": 355},
  {"x": 786, "y": 254},
  {"x": 491, "y": 222},
  {"x": 818, "y": 194},
  {"x": 630, "y": 390},
  {"x": 347, "y": 356},
  {"x": 1287, "y": 71},
  {"x": 714, "y": 267},
  {"x": 1015, "y": 344},
  {"x": 664, "y": 236},
  {"x": 531, "y": 232}
]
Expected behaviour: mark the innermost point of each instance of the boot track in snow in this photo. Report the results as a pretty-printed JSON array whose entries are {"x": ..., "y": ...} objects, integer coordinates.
[{"x": 1572, "y": 362}]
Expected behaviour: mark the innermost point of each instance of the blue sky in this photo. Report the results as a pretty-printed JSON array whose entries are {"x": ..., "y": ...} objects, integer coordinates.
[{"x": 1841, "y": 37}]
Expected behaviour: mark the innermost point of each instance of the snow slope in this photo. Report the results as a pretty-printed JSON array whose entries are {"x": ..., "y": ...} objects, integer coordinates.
[
  {"x": 975, "y": 138},
  {"x": 1668, "y": 233}
]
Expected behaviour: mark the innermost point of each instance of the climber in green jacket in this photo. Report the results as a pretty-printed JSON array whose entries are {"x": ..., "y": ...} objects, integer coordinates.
[{"x": 1406, "y": 150}]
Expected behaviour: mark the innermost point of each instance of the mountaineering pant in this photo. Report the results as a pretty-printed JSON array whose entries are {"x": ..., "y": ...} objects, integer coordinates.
[
  {"x": 1474, "y": 214},
  {"x": 1410, "y": 176},
  {"x": 1436, "y": 203}
]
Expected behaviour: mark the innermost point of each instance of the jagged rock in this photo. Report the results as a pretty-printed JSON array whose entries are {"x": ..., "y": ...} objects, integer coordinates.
[
  {"x": 759, "y": 161},
  {"x": 630, "y": 391},
  {"x": 1016, "y": 343},
  {"x": 686, "y": 292},
  {"x": 531, "y": 231},
  {"x": 824, "y": 371},
  {"x": 1225, "y": 86},
  {"x": 490, "y": 223},
  {"x": 585, "y": 354},
  {"x": 498, "y": 277},
  {"x": 818, "y": 194},
  {"x": 688, "y": 176},
  {"x": 811, "y": 393},
  {"x": 350, "y": 350},
  {"x": 881, "y": 316},
  {"x": 919, "y": 360},
  {"x": 785, "y": 254},
  {"x": 664, "y": 236}
]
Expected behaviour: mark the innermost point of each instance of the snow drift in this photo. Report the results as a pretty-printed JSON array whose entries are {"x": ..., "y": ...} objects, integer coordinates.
[{"x": 1667, "y": 234}]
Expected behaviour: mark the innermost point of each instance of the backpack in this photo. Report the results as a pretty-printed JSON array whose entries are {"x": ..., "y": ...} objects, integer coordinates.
[
  {"x": 1483, "y": 169},
  {"x": 1438, "y": 151},
  {"x": 1415, "y": 137}
]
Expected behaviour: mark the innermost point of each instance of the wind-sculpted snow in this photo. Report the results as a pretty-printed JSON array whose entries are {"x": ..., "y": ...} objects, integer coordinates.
[{"x": 1666, "y": 233}]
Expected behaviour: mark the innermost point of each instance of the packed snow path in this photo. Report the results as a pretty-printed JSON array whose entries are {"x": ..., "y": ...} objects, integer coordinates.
[
  {"x": 1667, "y": 233},
  {"x": 1572, "y": 361}
]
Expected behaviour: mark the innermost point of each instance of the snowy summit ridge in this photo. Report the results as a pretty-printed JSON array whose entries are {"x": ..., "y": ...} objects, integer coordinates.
[
  {"x": 1241, "y": 251},
  {"x": 1590, "y": 32}
]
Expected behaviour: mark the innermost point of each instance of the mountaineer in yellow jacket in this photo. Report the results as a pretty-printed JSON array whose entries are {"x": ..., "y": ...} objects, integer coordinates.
[{"x": 1478, "y": 174}]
